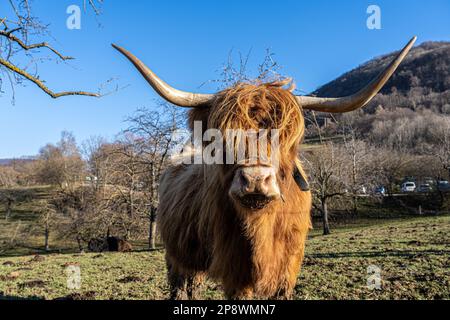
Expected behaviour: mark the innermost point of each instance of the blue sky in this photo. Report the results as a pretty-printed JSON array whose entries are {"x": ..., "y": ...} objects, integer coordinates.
[{"x": 186, "y": 43}]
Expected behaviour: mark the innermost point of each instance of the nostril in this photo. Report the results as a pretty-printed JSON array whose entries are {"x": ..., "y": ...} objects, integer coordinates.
[
  {"x": 243, "y": 178},
  {"x": 268, "y": 180}
]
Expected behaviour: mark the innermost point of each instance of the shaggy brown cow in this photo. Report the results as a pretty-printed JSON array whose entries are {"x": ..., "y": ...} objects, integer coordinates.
[{"x": 243, "y": 225}]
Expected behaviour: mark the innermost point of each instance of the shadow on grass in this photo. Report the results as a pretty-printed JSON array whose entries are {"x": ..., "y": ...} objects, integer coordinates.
[
  {"x": 376, "y": 254},
  {"x": 22, "y": 251},
  {"x": 14, "y": 298}
]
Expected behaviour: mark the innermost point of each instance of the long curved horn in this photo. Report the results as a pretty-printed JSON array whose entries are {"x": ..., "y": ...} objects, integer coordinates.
[
  {"x": 359, "y": 99},
  {"x": 175, "y": 96}
]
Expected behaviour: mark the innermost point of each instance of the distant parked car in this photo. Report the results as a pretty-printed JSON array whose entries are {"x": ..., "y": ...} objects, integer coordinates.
[
  {"x": 444, "y": 186},
  {"x": 380, "y": 190},
  {"x": 408, "y": 187},
  {"x": 424, "y": 188},
  {"x": 409, "y": 179}
]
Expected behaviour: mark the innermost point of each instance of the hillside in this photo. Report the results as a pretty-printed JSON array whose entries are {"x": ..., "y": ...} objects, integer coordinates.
[
  {"x": 11, "y": 161},
  {"x": 421, "y": 82},
  {"x": 5, "y": 162}
]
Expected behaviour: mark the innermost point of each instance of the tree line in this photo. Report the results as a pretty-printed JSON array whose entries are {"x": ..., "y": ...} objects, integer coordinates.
[
  {"x": 100, "y": 187},
  {"x": 358, "y": 152},
  {"x": 105, "y": 187}
]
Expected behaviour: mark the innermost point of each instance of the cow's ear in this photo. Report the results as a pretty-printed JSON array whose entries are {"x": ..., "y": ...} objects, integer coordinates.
[{"x": 300, "y": 178}]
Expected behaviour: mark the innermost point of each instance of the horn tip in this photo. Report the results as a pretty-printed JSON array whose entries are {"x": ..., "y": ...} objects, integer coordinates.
[{"x": 118, "y": 48}]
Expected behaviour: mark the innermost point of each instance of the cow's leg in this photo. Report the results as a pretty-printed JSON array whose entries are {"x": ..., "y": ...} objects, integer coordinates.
[
  {"x": 284, "y": 293},
  {"x": 240, "y": 294},
  {"x": 177, "y": 283},
  {"x": 289, "y": 280},
  {"x": 194, "y": 284}
]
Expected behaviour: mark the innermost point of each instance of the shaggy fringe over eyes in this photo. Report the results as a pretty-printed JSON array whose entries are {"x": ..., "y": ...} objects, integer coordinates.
[{"x": 260, "y": 106}]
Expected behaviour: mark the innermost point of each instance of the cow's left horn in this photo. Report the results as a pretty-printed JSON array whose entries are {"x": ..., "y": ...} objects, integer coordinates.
[
  {"x": 175, "y": 96},
  {"x": 359, "y": 99}
]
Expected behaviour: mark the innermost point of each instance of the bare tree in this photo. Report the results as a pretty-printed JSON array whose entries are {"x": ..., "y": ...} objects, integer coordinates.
[
  {"x": 8, "y": 198},
  {"x": 47, "y": 218},
  {"x": 358, "y": 151},
  {"x": 22, "y": 37},
  {"x": 441, "y": 135},
  {"x": 115, "y": 200},
  {"x": 8, "y": 176},
  {"x": 95, "y": 5},
  {"x": 390, "y": 166},
  {"x": 85, "y": 214},
  {"x": 125, "y": 189},
  {"x": 95, "y": 159},
  {"x": 327, "y": 168},
  {"x": 12, "y": 242},
  {"x": 60, "y": 164},
  {"x": 154, "y": 138}
]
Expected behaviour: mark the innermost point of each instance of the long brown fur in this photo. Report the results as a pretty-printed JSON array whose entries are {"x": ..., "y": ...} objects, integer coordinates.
[{"x": 252, "y": 253}]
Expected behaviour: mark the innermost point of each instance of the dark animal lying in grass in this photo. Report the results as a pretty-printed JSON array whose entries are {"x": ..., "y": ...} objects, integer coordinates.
[{"x": 113, "y": 244}]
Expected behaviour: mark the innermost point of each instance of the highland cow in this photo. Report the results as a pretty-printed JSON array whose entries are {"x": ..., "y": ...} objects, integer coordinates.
[
  {"x": 243, "y": 225},
  {"x": 112, "y": 244}
]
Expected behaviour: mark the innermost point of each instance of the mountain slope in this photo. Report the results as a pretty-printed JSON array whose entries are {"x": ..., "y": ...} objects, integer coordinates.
[{"x": 421, "y": 82}]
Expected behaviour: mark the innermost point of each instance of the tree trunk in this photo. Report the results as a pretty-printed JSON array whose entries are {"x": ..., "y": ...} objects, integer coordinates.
[
  {"x": 80, "y": 244},
  {"x": 8, "y": 213},
  {"x": 8, "y": 209},
  {"x": 440, "y": 194},
  {"x": 152, "y": 236},
  {"x": 47, "y": 234},
  {"x": 326, "y": 226},
  {"x": 152, "y": 230},
  {"x": 355, "y": 204},
  {"x": 354, "y": 176},
  {"x": 152, "y": 217}
]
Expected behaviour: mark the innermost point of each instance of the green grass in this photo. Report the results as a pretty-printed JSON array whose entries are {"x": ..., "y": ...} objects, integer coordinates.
[
  {"x": 22, "y": 226},
  {"x": 413, "y": 255}
]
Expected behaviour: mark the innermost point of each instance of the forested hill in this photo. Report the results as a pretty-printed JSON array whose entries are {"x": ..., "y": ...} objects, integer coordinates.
[{"x": 421, "y": 82}]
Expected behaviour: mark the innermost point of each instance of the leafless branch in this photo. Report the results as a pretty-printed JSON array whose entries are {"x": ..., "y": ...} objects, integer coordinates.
[
  {"x": 41, "y": 85},
  {"x": 19, "y": 31},
  {"x": 10, "y": 36}
]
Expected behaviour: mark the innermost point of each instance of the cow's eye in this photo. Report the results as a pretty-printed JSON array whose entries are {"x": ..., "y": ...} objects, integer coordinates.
[
  {"x": 264, "y": 123},
  {"x": 282, "y": 175}
]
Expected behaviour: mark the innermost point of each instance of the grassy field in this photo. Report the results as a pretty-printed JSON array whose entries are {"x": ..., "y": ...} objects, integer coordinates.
[
  {"x": 21, "y": 234},
  {"x": 413, "y": 256}
]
